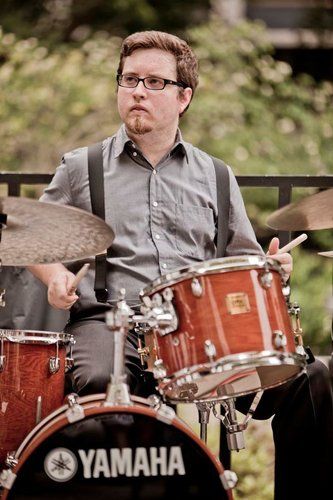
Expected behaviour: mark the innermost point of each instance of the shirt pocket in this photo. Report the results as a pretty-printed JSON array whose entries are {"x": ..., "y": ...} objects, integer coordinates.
[{"x": 195, "y": 230}]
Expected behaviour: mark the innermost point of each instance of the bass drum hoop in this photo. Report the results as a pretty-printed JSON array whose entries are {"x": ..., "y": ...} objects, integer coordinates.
[{"x": 57, "y": 420}]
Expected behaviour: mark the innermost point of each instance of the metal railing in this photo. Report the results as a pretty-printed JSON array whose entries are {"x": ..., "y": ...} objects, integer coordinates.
[{"x": 284, "y": 184}]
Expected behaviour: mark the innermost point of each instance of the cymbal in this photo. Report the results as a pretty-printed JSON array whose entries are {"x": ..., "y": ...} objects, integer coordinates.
[
  {"x": 312, "y": 212},
  {"x": 43, "y": 233},
  {"x": 326, "y": 254}
]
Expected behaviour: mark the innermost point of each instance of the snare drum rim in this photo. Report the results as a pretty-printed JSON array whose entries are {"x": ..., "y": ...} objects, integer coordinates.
[
  {"x": 45, "y": 429},
  {"x": 247, "y": 360},
  {"x": 36, "y": 337},
  {"x": 213, "y": 266}
]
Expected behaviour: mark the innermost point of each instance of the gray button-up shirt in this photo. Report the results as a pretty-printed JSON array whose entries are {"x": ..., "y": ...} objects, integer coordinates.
[{"x": 164, "y": 218}]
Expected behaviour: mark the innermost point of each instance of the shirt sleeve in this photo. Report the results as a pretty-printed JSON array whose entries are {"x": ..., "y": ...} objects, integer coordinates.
[
  {"x": 59, "y": 189},
  {"x": 242, "y": 240}
]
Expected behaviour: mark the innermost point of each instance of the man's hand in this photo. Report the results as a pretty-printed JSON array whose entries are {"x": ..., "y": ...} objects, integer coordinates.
[
  {"x": 59, "y": 292},
  {"x": 285, "y": 259}
]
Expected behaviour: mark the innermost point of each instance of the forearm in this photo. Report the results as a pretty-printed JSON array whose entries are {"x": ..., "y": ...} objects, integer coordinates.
[{"x": 47, "y": 272}]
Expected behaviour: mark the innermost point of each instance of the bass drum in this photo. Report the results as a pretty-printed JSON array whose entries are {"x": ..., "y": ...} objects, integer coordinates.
[{"x": 122, "y": 452}]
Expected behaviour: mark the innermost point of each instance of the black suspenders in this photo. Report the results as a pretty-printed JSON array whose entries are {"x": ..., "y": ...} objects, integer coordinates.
[{"x": 96, "y": 184}]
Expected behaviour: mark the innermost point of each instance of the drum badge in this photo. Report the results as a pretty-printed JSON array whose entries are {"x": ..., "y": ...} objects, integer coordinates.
[{"x": 60, "y": 464}]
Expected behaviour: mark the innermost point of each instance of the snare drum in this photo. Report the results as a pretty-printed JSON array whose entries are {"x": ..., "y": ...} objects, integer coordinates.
[
  {"x": 91, "y": 450},
  {"x": 234, "y": 333},
  {"x": 32, "y": 374}
]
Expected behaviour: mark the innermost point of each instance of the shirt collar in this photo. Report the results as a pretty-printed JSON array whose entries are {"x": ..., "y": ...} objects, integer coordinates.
[{"x": 121, "y": 139}]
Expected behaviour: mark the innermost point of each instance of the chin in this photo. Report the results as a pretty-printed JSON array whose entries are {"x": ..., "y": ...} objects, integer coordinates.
[{"x": 138, "y": 126}]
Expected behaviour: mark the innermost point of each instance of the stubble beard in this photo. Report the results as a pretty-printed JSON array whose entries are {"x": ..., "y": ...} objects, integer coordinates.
[{"x": 138, "y": 126}]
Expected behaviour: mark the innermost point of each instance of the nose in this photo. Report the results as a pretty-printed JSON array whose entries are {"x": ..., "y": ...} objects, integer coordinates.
[{"x": 140, "y": 90}]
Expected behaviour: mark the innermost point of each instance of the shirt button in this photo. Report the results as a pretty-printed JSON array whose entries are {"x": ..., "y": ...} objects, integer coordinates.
[
  {"x": 154, "y": 172},
  {"x": 155, "y": 204},
  {"x": 157, "y": 236},
  {"x": 135, "y": 153},
  {"x": 164, "y": 266}
]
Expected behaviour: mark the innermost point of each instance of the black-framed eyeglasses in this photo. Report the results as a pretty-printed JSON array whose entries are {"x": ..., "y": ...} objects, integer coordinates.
[{"x": 150, "y": 82}]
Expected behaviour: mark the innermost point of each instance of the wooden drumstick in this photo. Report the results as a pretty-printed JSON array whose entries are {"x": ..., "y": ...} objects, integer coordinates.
[
  {"x": 78, "y": 277},
  {"x": 293, "y": 243}
]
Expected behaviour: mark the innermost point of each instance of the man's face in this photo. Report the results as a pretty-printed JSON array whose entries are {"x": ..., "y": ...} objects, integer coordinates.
[{"x": 143, "y": 110}]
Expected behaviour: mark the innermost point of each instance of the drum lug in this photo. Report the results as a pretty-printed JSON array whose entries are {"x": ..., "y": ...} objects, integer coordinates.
[
  {"x": 2, "y": 296},
  {"x": 196, "y": 287},
  {"x": 11, "y": 461},
  {"x": 75, "y": 411},
  {"x": 210, "y": 350},
  {"x": 266, "y": 279},
  {"x": 2, "y": 356},
  {"x": 69, "y": 363},
  {"x": 229, "y": 479},
  {"x": 159, "y": 370},
  {"x": 2, "y": 363},
  {"x": 7, "y": 478},
  {"x": 279, "y": 339},
  {"x": 54, "y": 365}
]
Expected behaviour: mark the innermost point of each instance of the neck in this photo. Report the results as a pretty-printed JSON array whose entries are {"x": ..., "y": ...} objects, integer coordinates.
[{"x": 154, "y": 145}]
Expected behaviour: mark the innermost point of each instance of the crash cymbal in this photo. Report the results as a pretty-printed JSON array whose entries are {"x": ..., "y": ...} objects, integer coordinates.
[
  {"x": 326, "y": 254},
  {"x": 312, "y": 212},
  {"x": 42, "y": 233}
]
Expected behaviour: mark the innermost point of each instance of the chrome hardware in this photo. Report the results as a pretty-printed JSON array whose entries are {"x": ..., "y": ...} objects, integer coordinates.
[
  {"x": 143, "y": 352},
  {"x": 157, "y": 300},
  {"x": 204, "y": 414},
  {"x": 154, "y": 401},
  {"x": 229, "y": 479},
  {"x": 39, "y": 410},
  {"x": 54, "y": 365},
  {"x": 210, "y": 350},
  {"x": 75, "y": 411},
  {"x": 11, "y": 461},
  {"x": 2, "y": 356},
  {"x": 69, "y": 360},
  {"x": 295, "y": 310},
  {"x": 7, "y": 478},
  {"x": 266, "y": 279},
  {"x": 69, "y": 363},
  {"x": 2, "y": 297},
  {"x": 279, "y": 339},
  {"x": 196, "y": 287},
  {"x": 159, "y": 314},
  {"x": 165, "y": 414},
  {"x": 159, "y": 370},
  {"x": 235, "y": 436}
]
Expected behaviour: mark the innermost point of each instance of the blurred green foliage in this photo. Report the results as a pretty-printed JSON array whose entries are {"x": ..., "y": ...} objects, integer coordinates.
[{"x": 248, "y": 110}]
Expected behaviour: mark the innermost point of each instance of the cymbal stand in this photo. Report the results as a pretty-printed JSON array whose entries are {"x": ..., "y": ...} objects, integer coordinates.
[
  {"x": 235, "y": 435},
  {"x": 158, "y": 314},
  {"x": 117, "y": 320}
]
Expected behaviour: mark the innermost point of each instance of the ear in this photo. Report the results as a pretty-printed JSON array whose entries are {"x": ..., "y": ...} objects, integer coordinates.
[{"x": 184, "y": 98}]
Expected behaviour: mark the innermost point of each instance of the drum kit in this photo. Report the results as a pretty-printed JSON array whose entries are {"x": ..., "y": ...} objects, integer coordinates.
[{"x": 209, "y": 333}]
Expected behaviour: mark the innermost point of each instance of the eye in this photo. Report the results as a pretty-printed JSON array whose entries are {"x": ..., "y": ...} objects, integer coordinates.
[
  {"x": 155, "y": 82},
  {"x": 129, "y": 79}
]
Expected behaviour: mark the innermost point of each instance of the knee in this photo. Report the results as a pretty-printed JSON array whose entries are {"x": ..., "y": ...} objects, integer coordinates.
[{"x": 92, "y": 383}]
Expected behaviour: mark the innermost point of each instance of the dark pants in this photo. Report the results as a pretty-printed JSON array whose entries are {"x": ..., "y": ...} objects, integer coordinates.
[
  {"x": 303, "y": 433},
  {"x": 93, "y": 360}
]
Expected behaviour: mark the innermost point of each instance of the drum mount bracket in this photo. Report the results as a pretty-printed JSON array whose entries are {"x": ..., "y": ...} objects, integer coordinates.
[{"x": 235, "y": 436}]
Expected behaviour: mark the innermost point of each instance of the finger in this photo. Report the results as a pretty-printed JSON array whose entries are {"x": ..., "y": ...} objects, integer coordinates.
[{"x": 273, "y": 246}]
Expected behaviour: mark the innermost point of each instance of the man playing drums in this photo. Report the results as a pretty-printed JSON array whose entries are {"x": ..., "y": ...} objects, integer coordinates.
[{"x": 161, "y": 201}]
